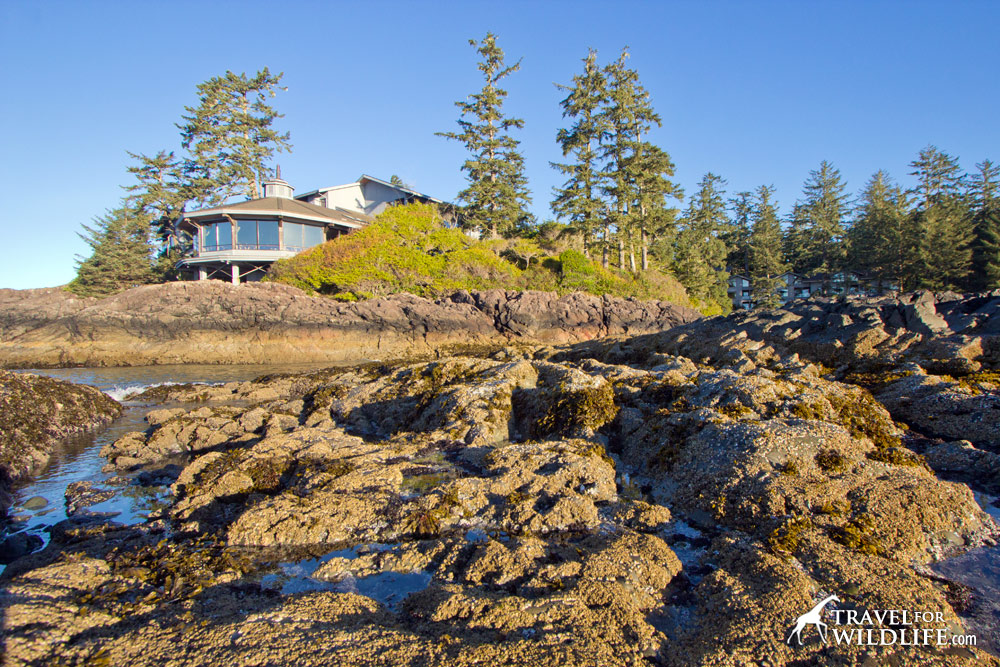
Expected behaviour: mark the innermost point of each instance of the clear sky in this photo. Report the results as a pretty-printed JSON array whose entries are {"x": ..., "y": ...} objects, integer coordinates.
[{"x": 758, "y": 92}]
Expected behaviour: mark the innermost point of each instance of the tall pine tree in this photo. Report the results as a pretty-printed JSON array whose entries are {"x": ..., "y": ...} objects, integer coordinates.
[
  {"x": 882, "y": 240},
  {"x": 766, "y": 263},
  {"x": 816, "y": 237},
  {"x": 737, "y": 235},
  {"x": 942, "y": 221},
  {"x": 984, "y": 194},
  {"x": 578, "y": 200},
  {"x": 231, "y": 136},
  {"x": 497, "y": 195},
  {"x": 636, "y": 175},
  {"x": 700, "y": 253}
]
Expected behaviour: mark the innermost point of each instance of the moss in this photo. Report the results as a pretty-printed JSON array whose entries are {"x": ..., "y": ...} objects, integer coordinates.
[
  {"x": 267, "y": 473},
  {"x": 858, "y": 534},
  {"x": 835, "y": 508},
  {"x": 899, "y": 456},
  {"x": 876, "y": 380},
  {"x": 831, "y": 460},
  {"x": 785, "y": 539},
  {"x": 570, "y": 410},
  {"x": 666, "y": 456},
  {"x": 983, "y": 381},
  {"x": 791, "y": 468},
  {"x": 808, "y": 410},
  {"x": 596, "y": 450},
  {"x": 424, "y": 483},
  {"x": 516, "y": 498},
  {"x": 734, "y": 410}
]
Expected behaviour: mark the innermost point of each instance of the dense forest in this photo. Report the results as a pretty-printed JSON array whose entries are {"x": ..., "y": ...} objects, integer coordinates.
[{"x": 619, "y": 205}]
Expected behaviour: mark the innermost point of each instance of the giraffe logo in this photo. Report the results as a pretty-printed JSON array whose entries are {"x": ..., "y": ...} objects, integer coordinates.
[{"x": 812, "y": 617}]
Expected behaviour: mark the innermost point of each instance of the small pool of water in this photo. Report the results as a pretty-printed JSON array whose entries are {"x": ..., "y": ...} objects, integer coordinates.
[
  {"x": 387, "y": 588},
  {"x": 40, "y": 502}
]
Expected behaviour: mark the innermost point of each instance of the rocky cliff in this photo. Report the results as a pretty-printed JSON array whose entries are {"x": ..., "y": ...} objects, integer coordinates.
[
  {"x": 215, "y": 322},
  {"x": 678, "y": 498}
]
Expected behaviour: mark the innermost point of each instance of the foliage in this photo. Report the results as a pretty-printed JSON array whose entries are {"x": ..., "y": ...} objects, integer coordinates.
[
  {"x": 120, "y": 254},
  {"x": 578, "y": 200},
  {"x": 700, "y": 251},
  {"x": 230, "y": 136},
  {"x": 815, "y": 241},
  {"x": 766, "y": 264},
  {"x": 407, "y": 249},
  {"x": 497, "y": 193}
]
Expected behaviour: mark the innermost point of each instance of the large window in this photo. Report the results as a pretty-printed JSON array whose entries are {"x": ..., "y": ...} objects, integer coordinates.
[
  {"x": 218, "y": 236},
  {"x": 299, "y": 236},
  {"x": 257, "y": 234}
]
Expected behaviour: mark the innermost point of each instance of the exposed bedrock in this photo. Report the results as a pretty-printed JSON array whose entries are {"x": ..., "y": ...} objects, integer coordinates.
[
  {"x": 670, "y": 499},
  {"x": 215, "y": 322}
]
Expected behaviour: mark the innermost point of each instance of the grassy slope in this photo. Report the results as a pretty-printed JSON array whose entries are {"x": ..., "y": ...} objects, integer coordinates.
[{"x": 406, "y": 249}]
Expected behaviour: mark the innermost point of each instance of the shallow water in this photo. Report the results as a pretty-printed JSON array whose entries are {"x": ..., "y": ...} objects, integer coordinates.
[{"x": 40, "y": 502}]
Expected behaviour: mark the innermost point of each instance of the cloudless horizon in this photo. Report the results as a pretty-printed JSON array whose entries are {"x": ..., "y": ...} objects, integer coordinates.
[{"x": 756, "y": 92}]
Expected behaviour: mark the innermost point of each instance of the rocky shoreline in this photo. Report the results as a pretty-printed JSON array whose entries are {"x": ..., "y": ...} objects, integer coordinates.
[
  {"x": 36, "y": 414},
  {"x": 218, "y": 323},
  {"x": 674, "y": 498}
]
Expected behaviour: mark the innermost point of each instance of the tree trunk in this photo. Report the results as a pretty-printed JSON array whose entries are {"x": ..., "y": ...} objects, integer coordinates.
[
  {"x": 604, "y": 247},
  {"x": 645, "y": 249},
  {"x": 621, "y": 252}
]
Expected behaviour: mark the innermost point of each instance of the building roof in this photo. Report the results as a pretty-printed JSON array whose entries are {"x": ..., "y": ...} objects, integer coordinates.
[
  {"x": 366, "y": 177},
  {"x": 284, "y": 207}
]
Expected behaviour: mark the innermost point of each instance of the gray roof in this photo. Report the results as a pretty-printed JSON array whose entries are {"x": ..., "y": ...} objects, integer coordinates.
[{"x": 285, "y": 207}]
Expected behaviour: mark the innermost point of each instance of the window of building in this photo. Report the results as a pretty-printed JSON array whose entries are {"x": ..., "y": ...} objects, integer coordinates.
[
  {"x": 217, "y": 236},
  {"x": 300, "y": 236},
  {"x": 257, "y": 234}
]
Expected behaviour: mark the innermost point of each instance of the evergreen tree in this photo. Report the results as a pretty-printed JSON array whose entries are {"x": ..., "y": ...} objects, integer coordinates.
[
  {"x": 578, "y": 200},
  {"x": 230, "y": 136},
  {"x": 737, "y": 235},
  {"x": 983, "y": 194},
  {"x": 816, "y": 237},
  {"x": 160, "y": 191},
  {"x": 942, "y": 221},
  {"x": 766, "y": 264},
  {"x": 882, "y": 240},
  {"x": 636, "y": 173},
  {"x": 120, "y": 254},
  {"x": 497, "y": 194},
  {"x": 700, "y": 254}
]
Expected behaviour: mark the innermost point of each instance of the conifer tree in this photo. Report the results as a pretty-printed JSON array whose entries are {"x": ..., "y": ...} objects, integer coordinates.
[
  {"x": 497, "y": 194},
  {"x": 816, "y": 236},
  {"x": 120, "y": 254},
  {"x": 160, "y": 191},
  {"x": 737, "y": 235},
  {"x": 882, "y": 240},
  {"x": 984, "y": 194},
  {"x": 636, "y": 173},
  {"x": 231, "y": 136},
  {"x": 766, "y": 264},
  {"x": 578, "y": 200},
  {"x": 700, "y": 252},
  {"x": 942, "y": 220}
]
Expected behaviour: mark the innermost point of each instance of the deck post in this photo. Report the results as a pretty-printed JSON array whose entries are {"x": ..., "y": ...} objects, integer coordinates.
[
  {"x": 236, "y": 273},
  {"x": 202, "y": 273}
]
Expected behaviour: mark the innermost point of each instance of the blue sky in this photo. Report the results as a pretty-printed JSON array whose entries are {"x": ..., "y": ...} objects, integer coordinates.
[{"x": 758, "y": 92}]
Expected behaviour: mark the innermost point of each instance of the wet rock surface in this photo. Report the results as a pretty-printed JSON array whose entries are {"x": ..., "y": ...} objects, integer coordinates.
[
  {"x": 36, "y": 414},
  {"x": 673, "y": 499}
]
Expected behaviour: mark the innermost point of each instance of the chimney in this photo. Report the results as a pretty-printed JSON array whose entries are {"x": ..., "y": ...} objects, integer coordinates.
[{"x": 276, "y": 187}]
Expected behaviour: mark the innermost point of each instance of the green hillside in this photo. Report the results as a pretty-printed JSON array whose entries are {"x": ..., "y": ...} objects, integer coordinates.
[{"x": 408, "y": 249}]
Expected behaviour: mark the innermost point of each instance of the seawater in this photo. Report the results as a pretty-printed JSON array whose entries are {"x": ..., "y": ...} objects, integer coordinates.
[{"x": 78, "y": 459}]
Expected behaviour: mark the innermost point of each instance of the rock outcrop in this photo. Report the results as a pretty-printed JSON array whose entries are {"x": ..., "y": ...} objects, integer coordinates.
[
  {"x": 679, "y": 498},
  {"x": 216, "y": 322},
  {"x": 36, "y": 413}
]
